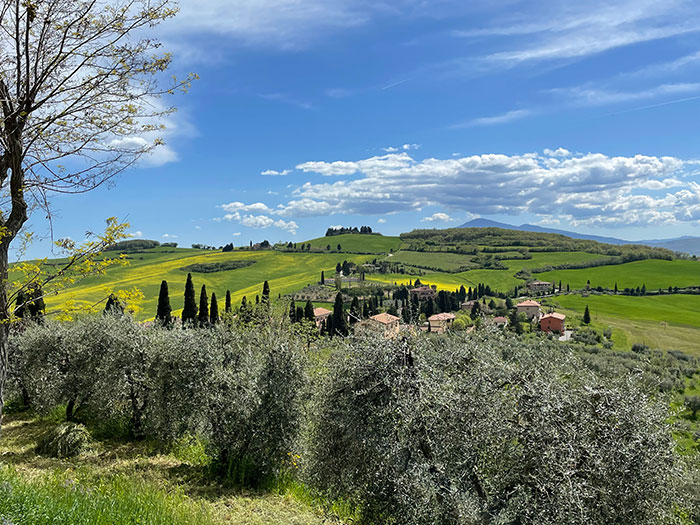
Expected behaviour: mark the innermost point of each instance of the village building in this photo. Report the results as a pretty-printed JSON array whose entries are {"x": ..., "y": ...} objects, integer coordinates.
[
  {"x": 553, "y": 322},
  {"x": 423, "y": 292},
  {"x": 500, "y": 321},
  {"x": 530, "y": 308},
  {"x": 320, "y": 315},
  {"x": 467, "y": 305},
  {"x": 440, "y": 323},
  {"x": 539, "y": 287},
  {"x": 383, "y": 324}
]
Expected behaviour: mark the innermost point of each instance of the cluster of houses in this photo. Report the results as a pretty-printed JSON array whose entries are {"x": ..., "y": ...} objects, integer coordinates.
[
  {"x": 389, "y": 325},
  {"x": 551, "y": 322}
]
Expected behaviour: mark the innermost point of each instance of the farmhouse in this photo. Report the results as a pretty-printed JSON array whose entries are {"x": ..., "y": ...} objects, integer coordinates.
[
  {"x": 539, "y": 287},
  {"x": 467, "y": 305},
  {"x": 320, "y": 315},
  {"x": 382, "y": 324},
  {"x": 531, "y": 309},
  {"x": 440, "y": 323},
  {"x": 500, "y": 321},
  {"x": 553, "y": 322},
  {"x": 423, "y": 292}
]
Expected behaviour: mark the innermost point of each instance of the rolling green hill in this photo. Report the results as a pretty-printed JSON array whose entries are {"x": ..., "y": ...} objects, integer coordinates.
[
  {"x": 360, "y": 243},
  {"x": 286, "y": 272},
  {"x": 653, "y": 273},
  {"x": 635, "y": 319}
]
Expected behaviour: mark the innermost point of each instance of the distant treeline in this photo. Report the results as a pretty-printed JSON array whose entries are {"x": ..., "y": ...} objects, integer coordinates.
[
  {"x": 468, "y": 240},
  {"x": 342, "y": 230},
  {"x": 137, "y": 245}
]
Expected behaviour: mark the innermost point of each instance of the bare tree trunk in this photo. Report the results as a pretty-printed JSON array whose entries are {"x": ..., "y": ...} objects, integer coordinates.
[{"x": 4, "y": 326}]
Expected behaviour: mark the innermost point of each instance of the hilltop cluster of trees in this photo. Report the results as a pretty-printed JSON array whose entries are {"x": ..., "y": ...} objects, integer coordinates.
[
  {"x": 342, "y": 230},
  {"x": 465, "y": 240},
  {"x": 413, "y": 430},
  {"x": 133, "y": 245}
]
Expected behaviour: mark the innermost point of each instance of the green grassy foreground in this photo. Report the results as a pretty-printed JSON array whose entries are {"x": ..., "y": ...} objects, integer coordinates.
[
  {"x": 670, "y": 322},
  {"x": 125, "y": 482}
]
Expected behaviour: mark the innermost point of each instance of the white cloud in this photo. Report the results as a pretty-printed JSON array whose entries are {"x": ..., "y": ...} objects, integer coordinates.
[
  {"x": 405, "y": 147},
  {"x": 562, "y": 31},
  {"x": 136, "y": 234},
  {"x": 504, "y": 118},
  {"x": 381, "y": 220},
  {"x": 559, "y": 152},
  {"x": 579, "y": 188},
  {"x": 439, "y": 217},
  {"x": 237, "y": 234},
  {"x": 169, "y": 236},
  {"x": 591, "y": 96},
  {"x": 275, "y": 173},
  {"x": 237, "y": 207}
]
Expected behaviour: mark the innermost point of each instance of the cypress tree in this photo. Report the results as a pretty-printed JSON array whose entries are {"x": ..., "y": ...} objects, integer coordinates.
[
  {"x": 113, "y": 306},
  {"x": 309, "y": 311},
  {"x": 36, "y": 306},
  {"x": 21, "y": 305},
  {"x": 214, "y": 310},
  {"x": 299, "y": 314},
  {"x": 293, "y": 312},
  {"x": 203, "y": 307},
  {"x": 323, "y": 277},
  {"x": 228, "y": 301},
  {"x": 266, "y": 292},
  {"x": 340, "y": 325},
  {"x": 355, "y": 313},
  {"x": 164, "y": 310},
  {"x": 189, "y": 312},
  {"x": 587, "y": 316}
]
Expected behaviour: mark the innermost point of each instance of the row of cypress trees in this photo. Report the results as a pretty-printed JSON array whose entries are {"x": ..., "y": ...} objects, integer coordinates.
[{"x": 207, "y": 314}]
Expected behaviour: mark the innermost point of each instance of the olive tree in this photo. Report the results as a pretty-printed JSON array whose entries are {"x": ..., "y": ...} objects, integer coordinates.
[
  {"x": 490, "y": 429},
  {"x": 79, "y": 89}
]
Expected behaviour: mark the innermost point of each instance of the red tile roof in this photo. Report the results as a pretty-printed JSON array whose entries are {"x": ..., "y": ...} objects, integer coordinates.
[
  {"x": 554, "y": 315},
  {"x": 318, "y": 312},
  {"x": 442, "y": 317},
  {"x": 529, "y": 303},
  {"x": 384, "y": 318}
]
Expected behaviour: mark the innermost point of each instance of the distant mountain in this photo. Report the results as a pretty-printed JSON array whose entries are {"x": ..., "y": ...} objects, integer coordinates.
[
  {"x": 685, "y": 244},
  {"x": 486, "y": 223}
]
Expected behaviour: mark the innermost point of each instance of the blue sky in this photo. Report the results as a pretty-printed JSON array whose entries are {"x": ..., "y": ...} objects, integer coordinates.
[{"x": 414, "y": 113}]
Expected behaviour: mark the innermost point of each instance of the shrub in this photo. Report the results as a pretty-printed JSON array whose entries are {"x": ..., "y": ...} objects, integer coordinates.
[{"x": 66, "y": 440}]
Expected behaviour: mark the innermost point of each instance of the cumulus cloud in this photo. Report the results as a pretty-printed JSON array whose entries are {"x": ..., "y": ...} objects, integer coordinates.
[
  {"x": 240, "y": 213},
  {"x": 440, "y": 217},
  {"x": 275, "y": 173},
  {"x": 559, "y": 152},
  {"x": 169, "y": 236},
  {"x": 405, "y": 147},
  {"x": 136, "y": 234},
  {"x": 504, "y": 118},
  {"x": 381, "y": 220},
  {"x": 590, "y": 188}
]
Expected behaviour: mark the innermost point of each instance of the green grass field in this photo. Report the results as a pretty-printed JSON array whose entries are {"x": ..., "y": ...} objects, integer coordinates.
[
  {"x": 358, "y": 243},
  {"x": 669, "y": 322},
  {"x": 285, "y": 272},
  {"x": 119, "y": 482},
  {"x": 653, "y": 273}
]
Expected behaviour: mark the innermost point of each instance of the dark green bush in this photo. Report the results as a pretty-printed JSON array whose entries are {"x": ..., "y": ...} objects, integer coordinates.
[{"x": 66, "y": 440}]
